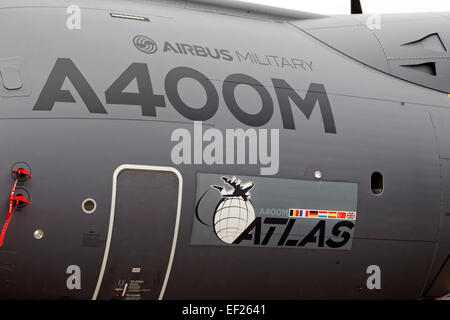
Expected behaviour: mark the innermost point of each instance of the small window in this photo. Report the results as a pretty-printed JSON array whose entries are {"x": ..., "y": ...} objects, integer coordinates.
[
  {"x": 89, "y": 206},
  {"x": 377, "y": 185}
]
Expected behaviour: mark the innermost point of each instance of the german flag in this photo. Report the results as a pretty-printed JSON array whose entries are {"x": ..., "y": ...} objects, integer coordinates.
[{"x": 313, "y": 213}]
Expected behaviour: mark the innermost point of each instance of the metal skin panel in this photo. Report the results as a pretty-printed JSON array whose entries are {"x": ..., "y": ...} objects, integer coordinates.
[
  {"x": 277, "y": 274},
  {"x": 441, "y": 284},
  {"x": 251, "y": 10},
  {"x": 444, "y": 235},
  {"x": 395, "y": 36},
  {"x": 440, "y": 118},
  {"x": 335, "y": 21},
  {"x": 437, "y": 284},
  {"x": 367, "y": 51},
  {"x": 14, "y": 82},
  {"x": 385, "y": 46},
  {"x": 382, "y": 124}
]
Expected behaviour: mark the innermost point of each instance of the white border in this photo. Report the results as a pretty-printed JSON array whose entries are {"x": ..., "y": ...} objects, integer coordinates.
[{"x": 111, "y": 221}]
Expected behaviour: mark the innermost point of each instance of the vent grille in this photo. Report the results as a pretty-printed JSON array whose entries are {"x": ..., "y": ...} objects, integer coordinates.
[
  {"x": 431, "y": 42},
  {"x": 429, "y": 67}
]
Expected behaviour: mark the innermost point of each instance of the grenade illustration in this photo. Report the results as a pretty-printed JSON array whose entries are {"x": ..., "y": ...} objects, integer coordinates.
[{"x": 234, "y": 213}]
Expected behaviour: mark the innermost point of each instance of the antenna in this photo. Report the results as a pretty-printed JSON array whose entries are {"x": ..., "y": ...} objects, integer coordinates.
[{"x": 356, "y": 7}]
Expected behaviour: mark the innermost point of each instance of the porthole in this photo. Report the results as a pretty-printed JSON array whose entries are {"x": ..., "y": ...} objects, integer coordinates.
[
  {"x": 89, "y": 206},
  {"x": 377, "y": 183}
]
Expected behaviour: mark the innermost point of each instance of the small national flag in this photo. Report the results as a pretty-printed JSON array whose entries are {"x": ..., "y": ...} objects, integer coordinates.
[
  {"x": 323, "y": 214},
  {"x": 351, "y": 215},
  {"x": 313, "y": 213},
  {"x": 341, "y": 215},
  {"x": 294, "y": 212}
]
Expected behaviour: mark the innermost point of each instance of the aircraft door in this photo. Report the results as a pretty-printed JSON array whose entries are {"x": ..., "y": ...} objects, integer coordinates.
[{"x": 142, "y": 233}]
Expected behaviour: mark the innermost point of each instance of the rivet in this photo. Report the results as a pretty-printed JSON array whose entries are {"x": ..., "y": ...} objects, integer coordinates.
[
  {"x": 318, "y": 174},
  {"x": 38, "y": 234}
]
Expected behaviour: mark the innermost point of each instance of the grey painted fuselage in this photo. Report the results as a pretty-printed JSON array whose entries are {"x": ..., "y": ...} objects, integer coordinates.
[{"x": 74, "y": 132}]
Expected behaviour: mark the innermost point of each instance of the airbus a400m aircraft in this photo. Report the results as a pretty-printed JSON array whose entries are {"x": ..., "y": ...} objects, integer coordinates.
[{"x": 222, "y": 150}]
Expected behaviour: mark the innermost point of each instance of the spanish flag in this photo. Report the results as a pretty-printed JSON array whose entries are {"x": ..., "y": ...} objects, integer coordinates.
[{"x": 332, "y": 214}]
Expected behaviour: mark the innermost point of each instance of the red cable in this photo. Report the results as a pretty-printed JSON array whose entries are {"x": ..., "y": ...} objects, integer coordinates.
[
  {"x": 13, "y": 203},
  {"x": 11, "y": 210}
]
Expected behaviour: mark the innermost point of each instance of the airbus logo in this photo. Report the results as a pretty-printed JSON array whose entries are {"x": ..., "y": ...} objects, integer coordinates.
[{"x": 145, "y": 44}]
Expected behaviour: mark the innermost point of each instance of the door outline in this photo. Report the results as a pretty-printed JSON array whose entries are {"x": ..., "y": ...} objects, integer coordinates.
[{"x": 111, "y": 220}]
